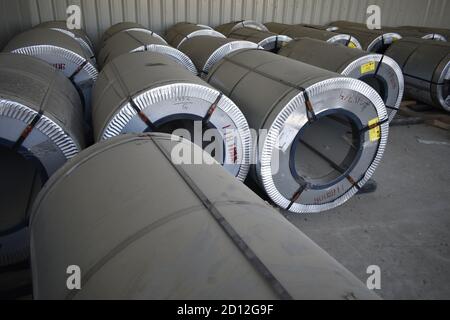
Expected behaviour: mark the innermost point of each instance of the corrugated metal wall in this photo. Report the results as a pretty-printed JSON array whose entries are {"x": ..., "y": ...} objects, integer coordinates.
[{"x": 98, "y": 15}]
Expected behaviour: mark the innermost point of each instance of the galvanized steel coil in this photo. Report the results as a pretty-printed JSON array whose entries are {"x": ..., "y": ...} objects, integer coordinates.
[
  {"x": 438, "y": 34},
  {"x": 228, "y": 28},
  {"x": 202, "y": 236},
  {"x": 148, "y": 91},
  {"x": 78, "y": 34},
  {"x": 426, "y": 68},
  {"x": 63, "y": 53},
  {"x": 41, "y": 121},
  {"x": 124, "y": 26},
  {"x": 206, "y": 51},
  {"x": 268, "y": 40},
  {"x": 299, "y": 31},
  {"x": 182, "y": 31},
  {"x": 405, "y": 31},
  {"x": 375, "y": 41},
  {"x": 324, "y": 135},
  {"x": 137, "y": 40},
  {"x": 380, "y": 72}
]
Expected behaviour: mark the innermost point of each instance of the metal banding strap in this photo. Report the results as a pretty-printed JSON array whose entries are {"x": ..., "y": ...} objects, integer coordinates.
[
  {"x": 211, "y": 109},
  {"x": 29, "y": 128},
  {"x": 125, "y": 91},
  {"x": 334, "y": 165},
  {"x": 142, "y": 115},
  {"x": 298, "y": 193},
  {"x": 240, "y": 243},
  {"x": 26, "y": 132},
  {"x": 78, "y": 70},
  {"x": 378, "y": 66},
  {"x": 348, "y": 41}
]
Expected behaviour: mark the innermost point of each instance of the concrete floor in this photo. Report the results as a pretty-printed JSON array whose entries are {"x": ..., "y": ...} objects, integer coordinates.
[{"x": 404, "y": 227}]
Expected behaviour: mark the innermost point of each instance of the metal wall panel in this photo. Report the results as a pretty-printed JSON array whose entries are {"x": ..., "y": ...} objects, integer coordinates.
[{"x": 98, "y": 15}]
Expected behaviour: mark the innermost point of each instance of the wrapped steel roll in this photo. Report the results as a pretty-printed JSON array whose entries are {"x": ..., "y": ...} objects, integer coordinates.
[
  {"x": 63, "y": 53},
  {"x": 182, "y": 31},
  {"x": 41, "y": 127},
  {"x": 320, "y": 27},
  {"x": 322, "y": 135},
  {"x": 267, "y": 40},
  {"x": 228, "y": 28},
  {"x": 438, "y": 34},
  {"x": 409, "y": 33},
  {"x": 426, "y": 68},
  {"x": 372, "y": 40},
  {"x": 380, "y": 72},
  {"x": 210, "y": 237},
  {"x": 138, "y": 40},
  {"x": 419, "y": 32},
  {"x": 125, "y": 26},
  {"x": 298, "y": 31},
  {"x": 149, "y": 91},
  {"x": 78, "y": 34},
  {"x": 206, "y": 51}
]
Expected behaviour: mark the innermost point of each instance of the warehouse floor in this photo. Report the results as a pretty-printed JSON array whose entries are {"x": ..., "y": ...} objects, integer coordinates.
[{"x": 404, "y": 227}]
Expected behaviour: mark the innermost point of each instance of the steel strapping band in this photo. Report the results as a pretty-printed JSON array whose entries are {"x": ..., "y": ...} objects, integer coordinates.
[
  {"x": 211, "y": 109},
  {"x": 240, "y": 243}
]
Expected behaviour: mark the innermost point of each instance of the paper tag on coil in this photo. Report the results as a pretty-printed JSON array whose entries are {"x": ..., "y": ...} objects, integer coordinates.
[
  {"x": 375, "y": 133},
  {"x": 368, "y": 67}
]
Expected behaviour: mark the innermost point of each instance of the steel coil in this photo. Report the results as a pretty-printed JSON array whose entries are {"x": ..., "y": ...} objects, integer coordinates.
[
  {"x": 426, "y": 68},
  {"x": 322, "y": 135},
  {"x": 41, "y": 127},
  {"x": 182, "y": 31},
  {"x": 228, "y": 28},
  {"x": 438, "y": 34},
  {"x": 299, "y": 31},
  {"x": 121, "y": 27},
  {"x": 170, "y": 97},
  {"x": 78, "y": 34},
  {"x": 137, "y": 40},
  {"x": 267, "y": 40},
  {"x": 380, "y": 72},
  {"x": 206, "y": 51},
  {"x": 63, "y": 53},
  {"x": 320, "y": 27},
  {"x": 202, "y": 236},
  {"x": 375, "y": 41}
]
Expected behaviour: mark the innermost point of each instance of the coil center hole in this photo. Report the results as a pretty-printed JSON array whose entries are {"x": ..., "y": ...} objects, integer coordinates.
[
  {"x": 20, "y": 182},
  {"x": 326, "y": 150}
]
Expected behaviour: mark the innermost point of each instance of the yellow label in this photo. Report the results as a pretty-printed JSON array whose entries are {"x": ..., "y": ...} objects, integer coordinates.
[
  {"x": 352, "y": 45},
  {"x": 375, "y": 133},
  {"x": 368, "y": 67}
]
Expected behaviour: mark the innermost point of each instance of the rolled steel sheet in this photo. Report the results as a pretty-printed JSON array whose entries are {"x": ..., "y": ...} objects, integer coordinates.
[
  {"x": 228, "y": 28},
  {"x": 375, "y": 41},
  {"x": 140, "y": 40},
  {"x": 431, "y": 33},
  {"x": 298, "y": 31},
  {"x": 154, "y": 87},
  {"x": 419, "y": 32},
  {"x": 63, "y": 53},
  {"x": 124, "y": 26},
  {"x": 322, "y": 135},
  {"x": 209, "y": 237},
  {"x": 206, "y": 51},
  {"x": 380, "y": 72},
  {"x": 267, "y": 40},
  {"x": 426, "y": 68},
  {"x": 41, "y": 127},
  {"x": 78, "y": 34},
  {"x": 182, "y": 31}
]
